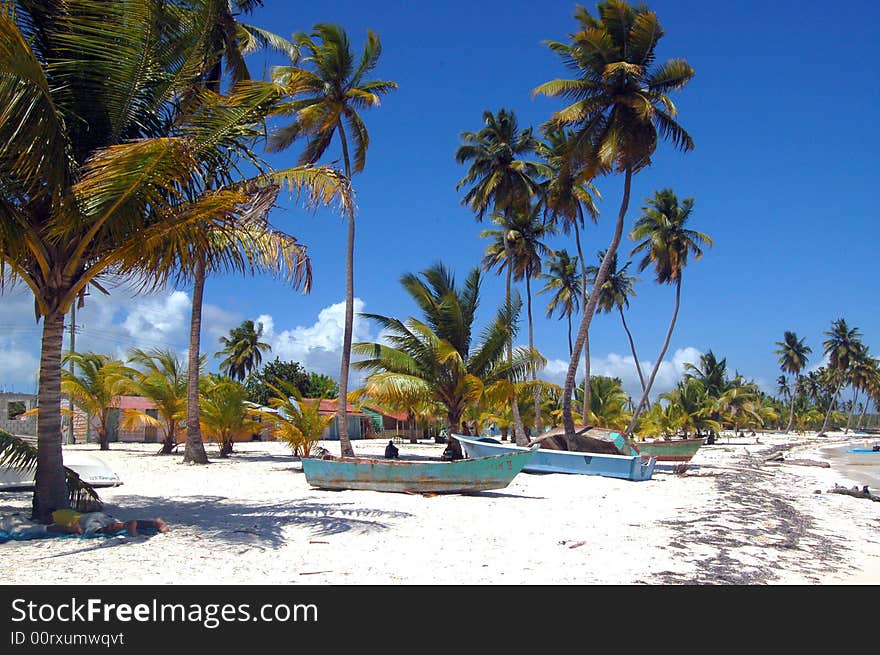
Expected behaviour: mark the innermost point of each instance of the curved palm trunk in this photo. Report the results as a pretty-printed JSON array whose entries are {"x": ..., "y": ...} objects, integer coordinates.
[
  {"x": 791, "y": 414},
  {"x": 587, "y": 317},
  {"x": 194, "y": 453},
  {"x": 641, "y": 404},
  {"x": 539, "y": 423},
  {"x": 585, "y": 413},
  {"x": 632, "y": 347},
  {"x": 862, "y": 416},
  {"x": 852, "y": 411},
  {"x": 50, "y": 488},
  {"x": 830, "y": 407},
  {"x": 345, "y": 446},
  {"x": 570, "y": 347},
  {"x": 577, "y": 241},
  {"x": 519, "y": 433}
]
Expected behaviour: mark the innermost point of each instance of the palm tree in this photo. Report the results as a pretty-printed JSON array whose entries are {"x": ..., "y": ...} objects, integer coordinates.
[
  {"x": 243, "y": 350},
  {"x": 567, "y": 198},
  {"x": 225, "y": 414},
  {"x": 792, "y": 359},
  {"x": 860, "y": 373},
  {"x": 607, "y": 402},
  {"x": 562, "y": 280},
  {"x": 615, "y": 293},
  {"x": 843, "y": 347},
  {"x": 518, "y": 246},
  {"x": 662, "y": 232},
  {"x": 294, "y": 421},
  {"x": 334, "y": 92},
  {"x": 620, "y": 105},
  {"x": 97, "y": 388},
  {"x": 162, "y": 379},
  {"x": 502, "y": 181},
  {"x": 104, "y": 165},
  {"x": 436, "y": 360}
]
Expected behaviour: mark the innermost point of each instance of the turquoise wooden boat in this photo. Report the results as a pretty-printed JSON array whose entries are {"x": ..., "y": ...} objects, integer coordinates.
[
  {"x": 673, "y": 450},
  {"x": 626, "y": 467},
  {"x": 417, "y": 476}
]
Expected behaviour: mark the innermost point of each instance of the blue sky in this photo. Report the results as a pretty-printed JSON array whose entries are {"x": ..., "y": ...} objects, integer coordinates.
[{"x": 781, "y": 111}]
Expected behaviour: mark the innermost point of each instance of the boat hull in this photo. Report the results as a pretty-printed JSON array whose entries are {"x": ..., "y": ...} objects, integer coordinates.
[
  {"x": 677, "y": 450},
  {"x": 405, "y": 476},
  {"x": 860, "y": 457},
  {"x": 625, "y": 467},
  {"x": 89, "y": 468}
]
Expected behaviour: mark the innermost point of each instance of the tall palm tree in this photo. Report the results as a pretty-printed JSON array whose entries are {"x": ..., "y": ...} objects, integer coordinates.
[
  {"x": 501, "y": 181},
  {"x": 792, "y": 359},
  {"x": 563, "y": 281},
  {"x": 332, "y": 94},
  {"x": 860, "y": 374},
  {"x": 437, "y": 360},
  {"x": 519, "y": 247},
  {"x": 568, "y": 197},
  {"x": 843, "y": 348},
  {"x": 243, "y": 350},
  {"x": 620, "y": 105},
  {"x": 667, "y": 242},
  {"x": 103, "y": 164},
  {"x": 97, "y": 387},
  {"x": 615, "y": 294}
]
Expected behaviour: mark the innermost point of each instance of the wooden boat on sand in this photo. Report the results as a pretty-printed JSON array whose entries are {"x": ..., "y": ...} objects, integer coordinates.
[
  {"x": 626, "y": 467},
  {"x": 673, "y": 450},
  {"x": 416, "y": 476}
]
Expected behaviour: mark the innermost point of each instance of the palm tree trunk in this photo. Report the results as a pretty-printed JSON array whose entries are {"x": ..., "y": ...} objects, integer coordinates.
[
  {"x": 570, "y": 348},
  {"x": 104, "y": 434},
  {"x": 519, "y": 433},
  {"x": 567, "y": 419},
  {"x": 641, "y": 404},
  {"x": 345, "y": 446},
  {"x": 50, "y": 488},
  {"x": 577, "y": 240},
  {"x": 194, "y": 452},
  {"x": 539, "y": 424},
  {"x": 852, "y": 410},
  {"x": 830, "y": 407},
  {"x": 632, "y": 347},
  {"x": 862, "y": 416},
  {"x": 585, "y": 413},
  {"x": 791, "y": 413}
]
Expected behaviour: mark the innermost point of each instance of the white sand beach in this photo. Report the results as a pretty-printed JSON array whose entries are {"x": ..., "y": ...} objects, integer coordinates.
[{"x": 253, "y": 519}]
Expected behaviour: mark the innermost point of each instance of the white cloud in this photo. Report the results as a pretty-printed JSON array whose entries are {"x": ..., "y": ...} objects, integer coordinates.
[
  {"x": 623, "y": 367},
  {"x": 318, "y": 347}
]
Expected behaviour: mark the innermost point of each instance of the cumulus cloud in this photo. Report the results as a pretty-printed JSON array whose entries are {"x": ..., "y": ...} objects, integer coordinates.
[
  {"x": 318, "y": 347},
  {"x": 623, "y": 367}
]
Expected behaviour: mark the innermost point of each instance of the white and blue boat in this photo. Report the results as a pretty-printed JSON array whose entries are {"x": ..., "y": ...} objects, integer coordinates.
[{"x": 625, "y": 467}]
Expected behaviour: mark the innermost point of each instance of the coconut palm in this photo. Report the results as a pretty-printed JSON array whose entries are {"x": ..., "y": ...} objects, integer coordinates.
[
  {"x": 614, "y": 294},
  {"x": 562, "y": 279},
  {"x": 667, "y": 242},
  {"x": 97, "y": 387},
  {"x": 792, "y": 359},
  {"x": 243, "y": 350},
  {"x": 843, "y": 347},
  {"x": 500, "y": 180},
  {"x": 330, "y": 96},
  {"x": 518, "y": 246},
  {"x": 296, "y": 422},
  {"x": 225, "y": 416},
  {"x": 608, "y": 402},
  {"x": 860, "y": 373},
  {"x": 104, "y": 153},
  {"x": 437, "y": 360},
  {"x": 162, "y": 378},
  {"x": 620, "y": 110},
  {"x": 568, "y": 197}
]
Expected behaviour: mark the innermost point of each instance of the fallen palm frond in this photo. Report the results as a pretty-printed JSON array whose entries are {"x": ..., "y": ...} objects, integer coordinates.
[{"x": 19, "y": 455}]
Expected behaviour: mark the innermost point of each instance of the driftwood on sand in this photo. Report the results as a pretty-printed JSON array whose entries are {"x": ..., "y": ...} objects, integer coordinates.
[
  {"x": 554, "y": 439},
  {"x": 855, "y": 492},
  {"x": 779, "y": 458}
]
